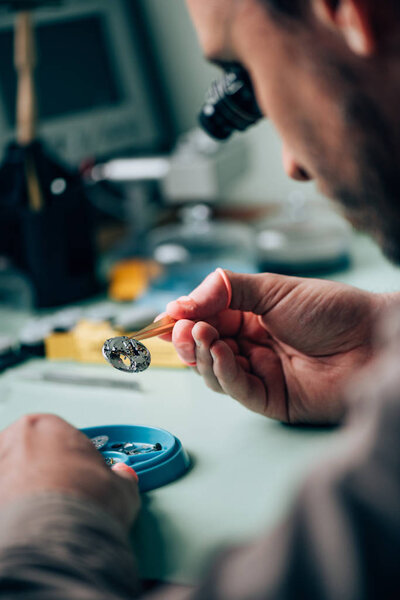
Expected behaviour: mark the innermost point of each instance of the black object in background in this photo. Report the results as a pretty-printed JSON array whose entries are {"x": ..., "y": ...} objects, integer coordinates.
[
  {"x": 45, "y": 226},
  {"x": 54, "y": 245}
]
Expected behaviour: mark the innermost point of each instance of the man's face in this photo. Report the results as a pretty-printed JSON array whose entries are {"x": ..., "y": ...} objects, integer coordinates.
[{"x": 334, "y": 113}]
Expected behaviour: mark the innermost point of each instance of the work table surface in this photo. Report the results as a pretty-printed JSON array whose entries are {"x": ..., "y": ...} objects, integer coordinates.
[{"x": 245, "y": 469}]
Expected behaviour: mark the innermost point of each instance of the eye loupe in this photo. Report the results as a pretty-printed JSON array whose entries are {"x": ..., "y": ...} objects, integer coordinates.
[{"x": 230, "y": 105}]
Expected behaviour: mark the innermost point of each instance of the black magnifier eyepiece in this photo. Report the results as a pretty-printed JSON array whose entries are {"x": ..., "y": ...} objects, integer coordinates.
[{"x": 230, "y": 105}]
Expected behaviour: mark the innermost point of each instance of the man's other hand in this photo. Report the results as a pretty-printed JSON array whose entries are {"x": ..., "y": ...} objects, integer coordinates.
[
  {"x": 43, "y": 453},
  {"x": 282, "y": 346}
]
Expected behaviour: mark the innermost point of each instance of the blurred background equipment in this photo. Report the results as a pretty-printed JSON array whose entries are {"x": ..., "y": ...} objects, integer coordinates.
[
  {"x": 192, "y": 179},
  {"x": 305, "y": 237},
  {"x": 45, "y": 220},
  {"x": 118, "y": 180},
  {"x": 230, "y": 105},
  {"x": 96, "y": 95},
  {"x": 91, "y": 96}
]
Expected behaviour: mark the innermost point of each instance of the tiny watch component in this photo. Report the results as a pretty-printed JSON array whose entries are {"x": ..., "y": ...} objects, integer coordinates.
[
  {"x": 132, "y": 450},
  {"x": 128, "y": 446},
  {"x": 100, "y": 441},
  {"x": 126, "y": 354}
]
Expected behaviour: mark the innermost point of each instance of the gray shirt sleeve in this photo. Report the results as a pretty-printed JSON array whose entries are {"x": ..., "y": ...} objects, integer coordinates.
[
  {"x": 341, "y": 541},
  {"x": 60, "y": 547}
]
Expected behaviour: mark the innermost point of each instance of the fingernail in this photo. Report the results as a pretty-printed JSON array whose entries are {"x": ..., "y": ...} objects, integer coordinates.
[
  {"x": 188, "y": 364},
  {"x": 187, "y": 301},
  {"x": 160, "y": 316},
  {"x": 176, "y": 305},
  {"x": 227, "y": 283},
  {"x": 124, "y": 467},
  {"x": 196, "y": 341}
]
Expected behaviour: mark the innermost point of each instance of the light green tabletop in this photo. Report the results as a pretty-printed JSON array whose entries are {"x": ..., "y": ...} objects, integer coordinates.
[{"x": 246, "y": 469}]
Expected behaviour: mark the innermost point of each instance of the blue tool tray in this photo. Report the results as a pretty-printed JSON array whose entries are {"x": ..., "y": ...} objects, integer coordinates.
[{"x": 154, "y": 468}]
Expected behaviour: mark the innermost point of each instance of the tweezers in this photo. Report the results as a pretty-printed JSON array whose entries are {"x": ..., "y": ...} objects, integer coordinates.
[{"x": 161, "y": 327}]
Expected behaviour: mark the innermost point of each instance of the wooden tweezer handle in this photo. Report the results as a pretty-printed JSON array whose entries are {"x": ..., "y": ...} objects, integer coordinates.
[{"x": 161, "y": 327}]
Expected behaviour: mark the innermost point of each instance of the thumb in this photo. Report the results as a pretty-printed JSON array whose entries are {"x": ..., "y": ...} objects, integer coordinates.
[
  {"x": 212, "y": 296},
  {"x": 126, "y": 500},
  {"x": 224, "y": 289},
  {"x": 123, "y": 470}
]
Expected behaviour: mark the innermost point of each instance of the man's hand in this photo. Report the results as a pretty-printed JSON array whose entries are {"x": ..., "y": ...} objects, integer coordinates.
[
  {"x": 284, "y": 347},
  {"x": 41, "y": 453}
]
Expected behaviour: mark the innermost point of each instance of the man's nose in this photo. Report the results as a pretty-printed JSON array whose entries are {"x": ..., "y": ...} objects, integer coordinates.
[{"x": 292, "y": 168}]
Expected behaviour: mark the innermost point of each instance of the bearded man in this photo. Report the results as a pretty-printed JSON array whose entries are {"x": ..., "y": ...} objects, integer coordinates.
[{"x": 327, "y": 73}]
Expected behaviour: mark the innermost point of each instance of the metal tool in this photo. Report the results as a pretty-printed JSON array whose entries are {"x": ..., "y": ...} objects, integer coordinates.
[
  {"x": 134, "y": 449},
  {"x": 43, "y": 204},
  {"x": 127, "y": 354},
  {"x": 100, "y": 441},
  {"x": 161, "y": 327},
  {"x": 81, "y": 379}
]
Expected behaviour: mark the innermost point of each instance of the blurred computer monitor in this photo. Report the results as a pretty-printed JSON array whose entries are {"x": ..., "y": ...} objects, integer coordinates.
[{"x": 97, "y": 93}]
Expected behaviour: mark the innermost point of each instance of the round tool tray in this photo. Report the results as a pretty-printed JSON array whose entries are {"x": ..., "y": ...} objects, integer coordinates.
[{"x": 154, "y": 467}]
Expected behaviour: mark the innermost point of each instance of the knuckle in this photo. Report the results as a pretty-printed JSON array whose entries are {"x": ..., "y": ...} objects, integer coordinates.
[
  {"x": 28, "y": 420},
  {"x": 31, "y": 420},
  {"x": 48, "y": 420},
  {"x": 46, "y": 423}
]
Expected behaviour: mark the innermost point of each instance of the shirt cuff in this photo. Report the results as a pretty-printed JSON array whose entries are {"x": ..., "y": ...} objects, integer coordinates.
[{"x": 61, "y": 541}]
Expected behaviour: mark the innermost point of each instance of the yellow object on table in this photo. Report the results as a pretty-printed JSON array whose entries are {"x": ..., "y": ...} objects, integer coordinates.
[
  {"x": 84, "y": 344},
  {"x": 131, "y": 278},
  {"x": 163, "y": 354}
]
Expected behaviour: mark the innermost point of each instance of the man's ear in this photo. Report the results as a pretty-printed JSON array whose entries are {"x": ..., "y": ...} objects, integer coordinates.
[{"x": 352, "y": 19}]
